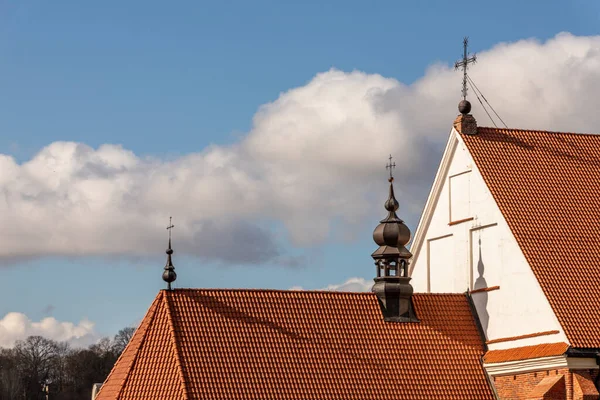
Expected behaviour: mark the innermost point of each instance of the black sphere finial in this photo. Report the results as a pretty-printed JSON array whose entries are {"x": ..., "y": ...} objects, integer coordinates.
[{"x": 464, "y": 107}]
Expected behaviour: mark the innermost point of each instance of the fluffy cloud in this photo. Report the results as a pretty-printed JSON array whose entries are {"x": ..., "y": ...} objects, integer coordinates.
[
  {"x": 350, "y": 285},
  {"x": 17, "y": 326},
  {"x": 310, "y": 169}
]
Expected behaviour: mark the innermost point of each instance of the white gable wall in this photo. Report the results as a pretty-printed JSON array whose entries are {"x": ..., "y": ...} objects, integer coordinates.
[{"x": 463, "y": 242}]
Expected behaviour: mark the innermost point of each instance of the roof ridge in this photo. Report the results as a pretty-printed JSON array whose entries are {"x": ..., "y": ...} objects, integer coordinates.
[
  {"x": 150, "y": 314},
  {"x": 142, "y": 341},
  {"x": 261, "y": 290},
  {"x": 537, "y": 131},
  {"x": 175, "y": 346},
  {"x": 288, "y": 291}
]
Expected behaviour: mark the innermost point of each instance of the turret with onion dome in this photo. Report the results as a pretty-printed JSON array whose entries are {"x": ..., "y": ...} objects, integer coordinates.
[{"x": 392, "y": 285}]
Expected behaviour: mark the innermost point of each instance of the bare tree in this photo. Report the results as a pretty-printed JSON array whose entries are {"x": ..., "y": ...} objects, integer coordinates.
[
  {"x": 68, "y": 373},
  {"x": 36, "y": 357},
  {"x": 122, "y": 338},
  {"x": 103, "y": 347},
  {"x": 11, "y": 384}
]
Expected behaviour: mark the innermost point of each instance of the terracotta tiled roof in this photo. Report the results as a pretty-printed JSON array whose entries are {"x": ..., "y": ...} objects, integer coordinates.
[
  {"x": 266, "y": 344},
  {"x": 547, "y": 185},
  {"x": 148, "y": 367},
  {"x": 526, "y": 352}
]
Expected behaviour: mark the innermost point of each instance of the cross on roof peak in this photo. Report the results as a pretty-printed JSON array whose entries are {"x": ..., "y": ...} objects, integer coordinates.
[
  {"x": 464, "y": 64},
  {"x": 170, "y": 227},
  {"x": 389, "y": 166}
]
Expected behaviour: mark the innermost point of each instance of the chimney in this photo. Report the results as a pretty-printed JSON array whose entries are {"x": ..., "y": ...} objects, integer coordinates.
[
  {"x": 392, "y": 284},
  {"x": 96, "y": 389},
  {"x": 465, "y": 123}
]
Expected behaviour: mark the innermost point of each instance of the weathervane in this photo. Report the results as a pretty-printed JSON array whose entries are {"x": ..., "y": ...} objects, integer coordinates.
[
  {"x": 389, "y": 166},
  {"x": 464, "y": 63}
]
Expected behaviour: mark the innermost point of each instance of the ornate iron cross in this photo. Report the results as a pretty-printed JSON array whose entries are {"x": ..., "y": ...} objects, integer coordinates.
[
  {"x": 390, "y": 165},
  {"x": 171, "y": 226},
  {"x": 464, "y": 64}
]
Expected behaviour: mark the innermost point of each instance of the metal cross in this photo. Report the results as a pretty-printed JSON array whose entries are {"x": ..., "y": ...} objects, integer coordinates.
[
  {"x": 390, "y": 165},
  {"x": 464, "y": 64},
  {"x": 171, "y": 226}
]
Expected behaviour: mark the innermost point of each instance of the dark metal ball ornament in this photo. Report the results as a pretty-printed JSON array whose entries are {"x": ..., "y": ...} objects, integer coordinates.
[
  {"x": 464, "y": 107},
  {"x": 169, "y": 275}
]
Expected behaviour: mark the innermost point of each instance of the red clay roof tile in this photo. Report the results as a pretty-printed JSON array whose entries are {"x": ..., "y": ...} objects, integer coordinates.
[
  {"x": 133, "y": 377},
  {"x": 526, "y": 352},
  {"x": 251, "y": 344},
  {"x": 547, "y": 186}
]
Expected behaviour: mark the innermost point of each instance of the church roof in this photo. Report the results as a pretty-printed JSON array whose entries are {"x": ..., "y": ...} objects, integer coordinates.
[
  {"x": 547, "y": 185},
  {"x": 268, "y": 344}
]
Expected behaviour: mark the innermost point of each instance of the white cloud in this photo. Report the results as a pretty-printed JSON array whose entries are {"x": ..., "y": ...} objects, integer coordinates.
[
  {"x": 351, "y": 285},
  {"x": 17, "y": 326},
  {"x": 313, "y": 159}
]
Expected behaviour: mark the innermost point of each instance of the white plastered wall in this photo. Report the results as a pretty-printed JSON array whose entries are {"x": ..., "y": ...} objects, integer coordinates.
[{"x": 463, "y": 242}]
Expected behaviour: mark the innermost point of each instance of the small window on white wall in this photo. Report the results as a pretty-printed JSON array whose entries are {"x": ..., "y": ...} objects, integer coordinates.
[
  {"x": 460, "y": 197},
  {"x": 441, "y": 267}
]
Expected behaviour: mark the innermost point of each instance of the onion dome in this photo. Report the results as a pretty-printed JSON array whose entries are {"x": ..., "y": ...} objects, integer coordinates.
[
  {"x": 391, "y": 234},
  {"x": 169, "y": 274}
]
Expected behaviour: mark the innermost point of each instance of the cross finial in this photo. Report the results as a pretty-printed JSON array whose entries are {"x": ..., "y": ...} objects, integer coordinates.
[
  {"x": 389, "y": 166},
  {"x": 171, "y": 226},
  {"x": 464, "y": 63}
]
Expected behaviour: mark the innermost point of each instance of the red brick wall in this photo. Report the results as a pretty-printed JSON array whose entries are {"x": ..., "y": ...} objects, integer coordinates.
[
  {"x": 559, "y": 392},
  {"x": 583, "y": 390},
  {"x": 518, "y": 387}
]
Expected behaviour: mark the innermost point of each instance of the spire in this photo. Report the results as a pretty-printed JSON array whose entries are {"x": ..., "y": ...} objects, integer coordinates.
[
  {"x": 169, "y": 275},
  {"x": 392, "y": 285},
  {"x": 465, "y": 123}
]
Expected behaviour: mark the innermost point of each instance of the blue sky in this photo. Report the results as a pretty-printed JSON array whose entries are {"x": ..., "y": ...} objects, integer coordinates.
[{"x": 170, "y": 79}]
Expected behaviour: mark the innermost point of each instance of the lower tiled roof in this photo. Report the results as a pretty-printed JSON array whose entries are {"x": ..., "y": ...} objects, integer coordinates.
[
  {"x": 267, "y": 344},
  {"x": 547, "y": 185},
  {"x": 526, "y": 352}
]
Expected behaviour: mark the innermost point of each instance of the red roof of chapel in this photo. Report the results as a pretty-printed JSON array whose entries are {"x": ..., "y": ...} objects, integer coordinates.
[
  {"x": 268, "y": 344},
  {"x": 547, "y": 185}
]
